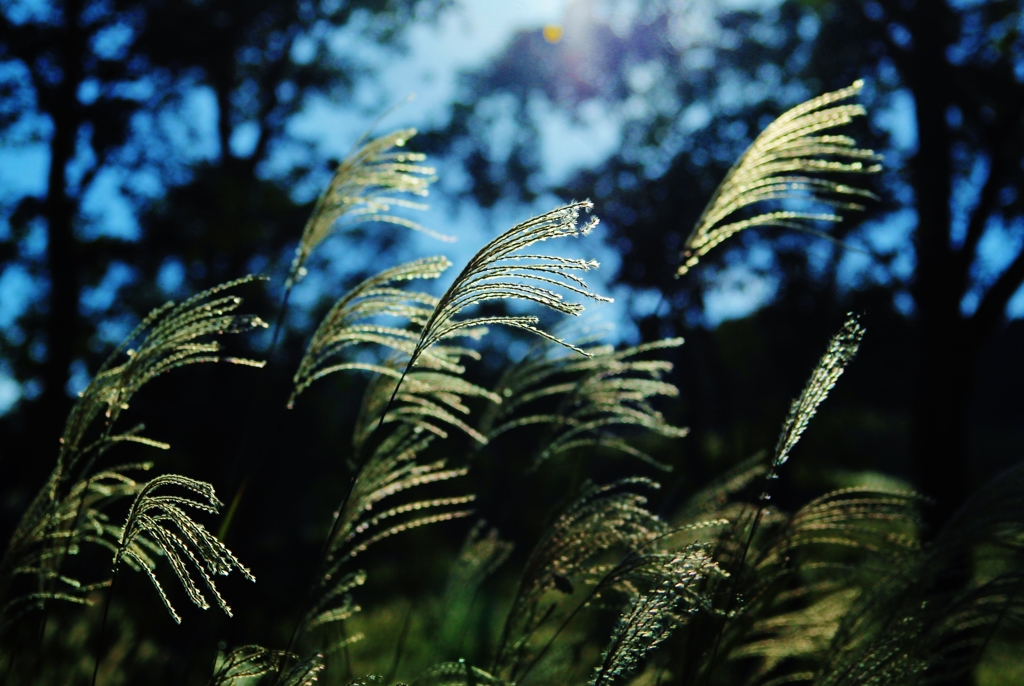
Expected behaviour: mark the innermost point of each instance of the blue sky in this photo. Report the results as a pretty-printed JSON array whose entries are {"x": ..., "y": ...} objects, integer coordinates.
[{"x": 464, "y": 37}]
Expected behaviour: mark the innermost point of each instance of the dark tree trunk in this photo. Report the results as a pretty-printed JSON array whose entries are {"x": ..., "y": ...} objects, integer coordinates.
[
  {"x": 945, "y": 355},
  {"x": 63, "y": 327}
]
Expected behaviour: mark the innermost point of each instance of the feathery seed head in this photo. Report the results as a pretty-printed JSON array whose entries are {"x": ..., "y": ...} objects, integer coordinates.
[
  {"x": 789, "y": 160},
  {"x": 363, "y": 189}
]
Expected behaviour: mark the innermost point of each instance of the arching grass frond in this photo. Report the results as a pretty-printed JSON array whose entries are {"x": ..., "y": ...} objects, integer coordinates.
[
  {"x": 30, "y": 574},
  {"x": 246, "y": 664},
  {"x": 391, "y": 470},
  {"x": 67, "y": 510},
  {"x": 841, "y": 350},
  {"x": 575, "y": 551},
  {"x": 925, "y": 622},
  {"x": 365, "y": 187},
  {"x": 655, "y": 612},
  {"x": 798, "y": 635},
  {"x": 243, "y": 664},
  {"x": 500, "y": 271},
  {"x": 171, "y": 336},
  {"x": 354, "y": 321},
  {"x": 426, "y": 400},
  {"x": 589, "y": 399},
  {"x": 303, "y": 673},
  {"x": 808, "y": 570},
  {"x": 457, "y": 674},
  {"x": 159, "y": 524},
  {"x": 430, "y": 397},
  {"x": 855, "y": 523},
  {"x": 792, "y": 159}
]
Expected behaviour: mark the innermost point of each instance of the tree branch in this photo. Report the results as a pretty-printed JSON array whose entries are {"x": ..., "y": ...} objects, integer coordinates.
[
  {"x": 993, "y": 303},
  {"x": 982, "y": 212}
]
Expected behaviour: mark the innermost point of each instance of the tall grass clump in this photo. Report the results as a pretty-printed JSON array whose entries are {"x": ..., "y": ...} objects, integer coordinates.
[{"x": 623, "y": 585}]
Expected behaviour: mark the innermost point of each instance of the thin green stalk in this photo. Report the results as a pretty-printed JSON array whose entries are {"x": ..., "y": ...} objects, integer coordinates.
[
  {"x": 103, "y": 626},
  {"x": 400, "y": 645}
]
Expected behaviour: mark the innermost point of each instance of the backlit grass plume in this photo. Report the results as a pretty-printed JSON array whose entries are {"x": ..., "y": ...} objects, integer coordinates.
[
  {"x": 500, "y": 271},
  {"x": 918, "y": 624},
  {"x": 171, "y": 336},
  {"x": 810, "y": 569},
  {"x": 68, "y": 509},
  {"x": 427, "y": 400},
  {"x": 243, "y": 664},
  {"x": 792, "y": 159},
  {"x": 657, "y": 609},
  {"x": 159, "y": 525},
  {"x": 574, "y": 552},
  {"x": 737, "y": 547},
  {"x": 354, "y": 321},
  {"x": 247, "y": 663},
  {"x": 365, "y": 187},
  {"x": 431, "y": 397},
  {"x": 76, "y": 520},
  {"x": 593, "y": 398},
  {"x": 392, "y": 470},
  {"x": 841, "y": 350}
]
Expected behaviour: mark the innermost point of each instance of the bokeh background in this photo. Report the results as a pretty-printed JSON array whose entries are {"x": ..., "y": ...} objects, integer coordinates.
[{"x": 153, "y": 148}]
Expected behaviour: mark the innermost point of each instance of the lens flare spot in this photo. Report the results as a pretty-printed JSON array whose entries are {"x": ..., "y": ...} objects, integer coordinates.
[{"x": 552, "y": 33}]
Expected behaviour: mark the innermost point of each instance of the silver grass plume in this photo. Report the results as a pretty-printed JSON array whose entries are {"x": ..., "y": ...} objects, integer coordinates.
[
  {"x": 655, "y": 612},
  {"x": 392, "y": 469},
  {"x": 457, "y": 674},
  {"x": 431, "y": 397},
  {"x": 76, "y": 520},
  {"x": 171, "y": 336},
  {"x": 611, "y": 389},
  {"x": 789, "y": 160},
  {"x": 814, "y": 567},
  {"x": 796, "y": 633},
  {"x": 841, "y": 350},
  {"x": 917, "y": 627},
  {"x": 353, "y": 321},
  {"x": 160, "y": 525},
  {"x": 245, "y": 663},
  {"x": 365, "y": 187},
  {"x": 304, "y": 673},
  {"x": 68, "y": 506},
  {"x": 424, "y": 400},
  {"x": 500, "y": 271},
  {"x": 573, "y": 551}
]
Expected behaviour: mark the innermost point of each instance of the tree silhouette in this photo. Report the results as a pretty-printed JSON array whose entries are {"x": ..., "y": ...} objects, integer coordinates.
[{"x": 112, "y": 93}]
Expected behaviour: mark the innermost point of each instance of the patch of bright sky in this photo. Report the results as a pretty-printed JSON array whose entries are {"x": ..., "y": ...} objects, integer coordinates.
[
  {"x": 462, "y": 39},
  {"x": 465, "y": 37},
  {"x": 738, "y": 289}
]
